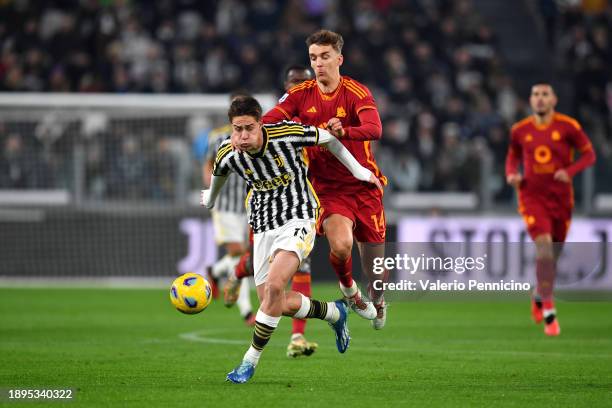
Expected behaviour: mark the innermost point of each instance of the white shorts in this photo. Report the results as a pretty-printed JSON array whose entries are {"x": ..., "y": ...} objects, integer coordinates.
[
  {"x": 296, "y": 236},
  {"x": 230, "y": 227}
]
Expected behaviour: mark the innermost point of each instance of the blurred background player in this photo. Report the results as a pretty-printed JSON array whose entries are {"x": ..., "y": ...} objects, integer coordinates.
[
  {"x": 301, "y": 281},
  {"x": 350, "y": 209},
  {"x": 544, "y": 143},
  {"x": 282, "y": 211},
  {"x": 230, "y": 223}
]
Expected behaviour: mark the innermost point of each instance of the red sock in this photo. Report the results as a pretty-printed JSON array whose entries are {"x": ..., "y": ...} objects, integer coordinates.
[
  {"x": 548, "y": 305},
  {"x": 242, "y": 268},
  {"x": 343, "y": 269},
  {"x": 301, "y": 284},
  {"x": 545, "y": 274}
]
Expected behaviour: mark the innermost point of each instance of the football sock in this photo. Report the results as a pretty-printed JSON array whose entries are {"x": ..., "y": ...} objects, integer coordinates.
[
  {"x": 315, "y": 309},
  {"x": 300, "y": 284},
  {"x": 349, "y": 291},
  {"x": 545, "y": 274},
  {"x": 343, "y": 269},
  {"x": 538, "y": 300},
  {"x": 264, "y": 327},
  {"x": 244, "y": 298},
  {"x": 377, "y": 296},
  {"x": 549, "y": 311}
]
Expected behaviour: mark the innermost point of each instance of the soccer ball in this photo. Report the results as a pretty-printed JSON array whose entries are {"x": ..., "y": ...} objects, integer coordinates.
[{"x": 190, "y": 293}]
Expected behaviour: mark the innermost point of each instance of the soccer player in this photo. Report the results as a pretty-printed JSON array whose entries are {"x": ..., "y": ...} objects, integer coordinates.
[
  {"x": 351, "y": 209},
  {"x": 282, "y": 210},
  {"x": 230, "y": 224},
  {"x": 544, "y": 143},
  {"x": 301, "y": 282}
]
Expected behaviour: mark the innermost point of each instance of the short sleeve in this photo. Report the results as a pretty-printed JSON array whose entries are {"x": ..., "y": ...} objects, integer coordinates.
[{"x": 224, "y": 153}]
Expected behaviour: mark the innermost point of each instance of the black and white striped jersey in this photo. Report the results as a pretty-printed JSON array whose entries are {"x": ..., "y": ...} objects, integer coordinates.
[
  {"x": 231, "y": 198},
  {"x": 276, "y": 176}
]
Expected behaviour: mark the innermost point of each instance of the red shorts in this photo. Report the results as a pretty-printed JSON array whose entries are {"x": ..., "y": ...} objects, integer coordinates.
[
  {"x": 363, "y": 206},
  {"x": 541, "y": 220}
]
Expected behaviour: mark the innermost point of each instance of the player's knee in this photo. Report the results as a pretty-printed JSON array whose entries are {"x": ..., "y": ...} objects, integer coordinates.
[
  {"x": 274, "y": 290},
  {"x": 341, "y": 248},
  {"x": 544, "y": 247}
]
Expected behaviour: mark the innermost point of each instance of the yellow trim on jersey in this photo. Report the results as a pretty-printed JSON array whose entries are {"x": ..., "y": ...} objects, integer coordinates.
[
  {"x": 284, "y": 112},
  {"x": 222, "y": 152},
  {"x": 304, "y": 85},
  {"x": 521, "y": 123},
  {"x": 316, "y": 199},
  {"x": 357, "y": 87},
  {"x": 564, "y": 118},
  {"x": 285, "y": 130},
  {"x": 377, "y": 172},
  {"x": 365, "y": 107},
  {"x": 360, "y": 94},
  {"x": 246, "y": 199}
]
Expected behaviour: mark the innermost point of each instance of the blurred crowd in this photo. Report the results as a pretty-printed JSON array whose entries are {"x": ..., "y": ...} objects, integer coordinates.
[
  {"x": 434, "y": 67},
  {"x": 579, "y": 34}
]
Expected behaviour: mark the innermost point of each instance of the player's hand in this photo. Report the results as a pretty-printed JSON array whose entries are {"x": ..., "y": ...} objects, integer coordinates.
[
  {"x": 374, "y": 180},
  {"x": 514, "y": 180},
  {"x": 562, "y": 176},
  {"x": 205, "y": 199},
  {"x": 334, "y": 125}
]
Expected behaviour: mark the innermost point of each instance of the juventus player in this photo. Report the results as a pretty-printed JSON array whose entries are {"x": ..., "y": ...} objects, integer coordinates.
[
  {"x": 230, "y": 224},
  {"x": 282, "y": 209}
]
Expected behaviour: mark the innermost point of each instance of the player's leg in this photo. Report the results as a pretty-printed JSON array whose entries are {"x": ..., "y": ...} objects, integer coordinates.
[
  {"x": 370, "y": 233},
  {"x": 266, "y": 318},
  {"x": 339, "y": 232},
  {"x": 540, "y": 228},
  {"x": 545, "y": 274},
  {"x": 301, "y": 283},
  {"x": 368, "y": 252}
]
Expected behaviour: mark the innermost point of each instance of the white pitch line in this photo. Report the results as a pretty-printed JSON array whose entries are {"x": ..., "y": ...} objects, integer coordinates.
[{"x": 199, "y": 337}]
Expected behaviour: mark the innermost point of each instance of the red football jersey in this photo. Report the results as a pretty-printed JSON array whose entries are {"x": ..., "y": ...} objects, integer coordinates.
[
  {"x": 544, "y": 149},
  {"x": 313, "y": 107}
]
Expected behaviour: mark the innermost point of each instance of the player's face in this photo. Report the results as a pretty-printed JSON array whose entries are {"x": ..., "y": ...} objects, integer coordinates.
[
  {"x": 296, "y": 77},
  {"x": 246, "y": 131},
  {"x": 325, "y": 61},
  {"x": 542, "y": 99}
]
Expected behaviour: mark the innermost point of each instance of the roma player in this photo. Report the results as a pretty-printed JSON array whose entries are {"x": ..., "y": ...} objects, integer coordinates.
[
  {"x": 351, "y": 209},
  {"x": 544, "y": 143}
]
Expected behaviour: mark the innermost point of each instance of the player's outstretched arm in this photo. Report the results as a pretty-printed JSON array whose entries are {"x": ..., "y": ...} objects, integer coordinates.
[
  {"x": 208, "y": 197},
  {"x": 346, "y": 158}
]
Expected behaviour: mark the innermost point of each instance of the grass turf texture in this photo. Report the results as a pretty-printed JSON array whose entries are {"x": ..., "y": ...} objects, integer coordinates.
[{"x": 130, "y": 348}]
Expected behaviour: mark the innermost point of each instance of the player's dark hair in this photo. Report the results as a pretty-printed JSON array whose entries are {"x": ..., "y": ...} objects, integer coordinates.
[
  {"x": 326, "y": 37},
  {"x": 244, "y": 106},
  {"x": 544, "y": 82},
  {"x": 294, "y": 67}
]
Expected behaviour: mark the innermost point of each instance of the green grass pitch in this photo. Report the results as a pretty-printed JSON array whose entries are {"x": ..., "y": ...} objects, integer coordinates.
[{"x": 130, "y": 348}]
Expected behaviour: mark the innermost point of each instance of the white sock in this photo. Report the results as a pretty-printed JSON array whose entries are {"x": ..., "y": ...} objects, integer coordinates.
[
  {"x": 332, "y": 315},
  {"x": 304, "y": 308},
  {"x": 244, "y": 298},
  {"x": 252, "y": 355},
  {"x": 349, "y": 292}
]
